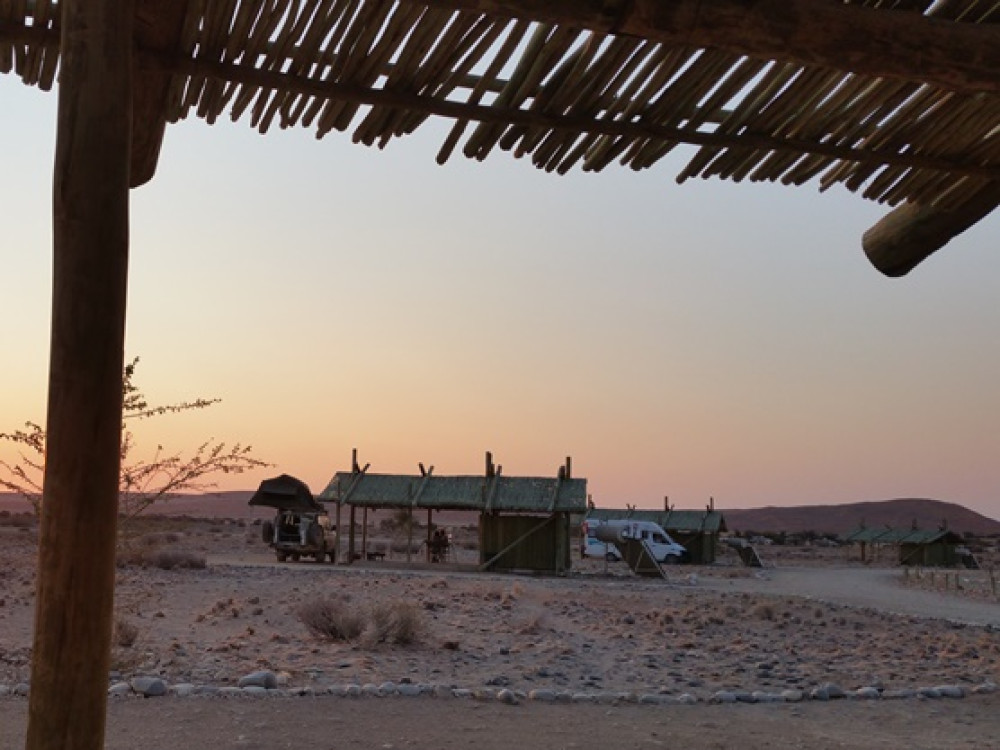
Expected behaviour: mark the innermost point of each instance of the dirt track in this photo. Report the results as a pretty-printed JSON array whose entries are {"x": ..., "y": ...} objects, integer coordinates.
[
  {"x": 386, "y": 724},
  {"x": 875, "y": 588}
]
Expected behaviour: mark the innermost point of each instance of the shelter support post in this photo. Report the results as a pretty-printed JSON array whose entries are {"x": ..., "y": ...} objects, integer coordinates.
[
  {"x": 561, "y": 553},
  {"x": 409, "y": 533},
  {"x": 364, "y": 532},
  {"x": 76, "y": 559},
  {"x": 350, "y": 540},
  {"x": 337, "y": 536},
  {"x": 429, "y": 525}
]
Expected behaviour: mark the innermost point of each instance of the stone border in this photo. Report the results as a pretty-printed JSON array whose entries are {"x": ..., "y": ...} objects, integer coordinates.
[{"x": 266, "y": 684}]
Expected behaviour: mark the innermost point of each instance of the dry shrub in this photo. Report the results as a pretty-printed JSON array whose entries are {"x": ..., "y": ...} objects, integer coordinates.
[
  {"x": 165, "y": 559},
  {"x": 396, "y": 622},
  {"x": 764, "y": 612},
  {"x": 159, "y": 538},
  {"x": 125, "y": 633},
  {"x": 169, "y": 559},
  {"x": 530, "y": 621},
  {"x": 332, "y": 619}
]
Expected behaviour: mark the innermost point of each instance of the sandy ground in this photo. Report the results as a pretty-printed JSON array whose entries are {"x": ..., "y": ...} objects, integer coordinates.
[{"x": 599, "y": 631}]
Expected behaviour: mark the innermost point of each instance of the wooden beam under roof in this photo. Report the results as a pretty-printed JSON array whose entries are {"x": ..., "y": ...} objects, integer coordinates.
[
  {"x": 908, "y": 235},
  {"x": 158, "y": 27},
  {"x": 906, "y": 45}
]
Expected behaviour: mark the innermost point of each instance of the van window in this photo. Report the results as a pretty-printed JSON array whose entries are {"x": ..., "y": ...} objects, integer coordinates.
[{"x": 659, "y": 538}]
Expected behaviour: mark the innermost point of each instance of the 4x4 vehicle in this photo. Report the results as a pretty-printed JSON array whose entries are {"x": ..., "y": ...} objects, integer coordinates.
[{"x": 301, "y": 526}]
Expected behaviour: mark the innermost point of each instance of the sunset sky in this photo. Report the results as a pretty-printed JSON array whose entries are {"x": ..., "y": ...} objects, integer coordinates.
[{"x": 701, "y": 340}]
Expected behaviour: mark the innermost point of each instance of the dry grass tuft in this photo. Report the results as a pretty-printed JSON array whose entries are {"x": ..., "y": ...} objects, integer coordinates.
[
  {"x": 764, "y": 612},
  {"x": 398, "y": 623},
  {"x": 169, "y": 559},
  {"x": 530, "y": 620},
  {"x": 159, "y": 538},
  {"x": 331, "y": 619},
  {"x": 158, "y": 557},
  {"x": 125, "y": 633}
]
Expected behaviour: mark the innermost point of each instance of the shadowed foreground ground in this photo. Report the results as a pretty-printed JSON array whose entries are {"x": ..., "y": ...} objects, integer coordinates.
[{"x": 326, "y": 723}]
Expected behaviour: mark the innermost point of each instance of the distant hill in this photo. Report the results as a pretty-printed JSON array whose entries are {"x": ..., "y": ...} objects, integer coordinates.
[
  {"x": 838, "y": 519},
  {"x": 823, "y": 519},
  {"x": 208, "y": 505}
]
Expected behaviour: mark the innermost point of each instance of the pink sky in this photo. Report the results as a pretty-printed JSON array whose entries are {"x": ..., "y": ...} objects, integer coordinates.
[{"x": 707, "y": 339}]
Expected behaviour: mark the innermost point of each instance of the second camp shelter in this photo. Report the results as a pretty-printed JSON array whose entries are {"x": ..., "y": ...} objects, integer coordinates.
[{"x": 929, "y": 547}]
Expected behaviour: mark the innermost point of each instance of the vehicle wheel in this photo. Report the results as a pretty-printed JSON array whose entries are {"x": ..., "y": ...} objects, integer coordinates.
[
  {"x": 281, "y": 555},
  {"x": 267, "y": 531},
  {"x": 294, "y": 556},
  {"x": 611, "y": 557},
  {"x": 672, "y": 559}
]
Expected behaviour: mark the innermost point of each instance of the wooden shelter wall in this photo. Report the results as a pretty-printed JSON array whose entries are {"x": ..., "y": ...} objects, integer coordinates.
[
  {"x": 701, "y": 547},
  {"x": 547, "y": 549}
]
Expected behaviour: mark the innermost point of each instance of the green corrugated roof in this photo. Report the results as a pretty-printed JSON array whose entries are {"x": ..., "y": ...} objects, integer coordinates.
[
  {"x": 688, "y": 521},
  {"x": 500, "y": 493},
  {"x": 887, "y": 535}
]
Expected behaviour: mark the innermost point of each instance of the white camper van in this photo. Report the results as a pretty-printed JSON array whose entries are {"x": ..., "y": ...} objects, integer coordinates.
[{"x": 601, "y": 544}]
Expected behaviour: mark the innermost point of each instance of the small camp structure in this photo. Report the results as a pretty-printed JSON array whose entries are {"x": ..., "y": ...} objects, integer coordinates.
[
  {"x": 935, "y": 548},
  {"x": 523, "y": 521},
  {"x": 697, "y": 530}
]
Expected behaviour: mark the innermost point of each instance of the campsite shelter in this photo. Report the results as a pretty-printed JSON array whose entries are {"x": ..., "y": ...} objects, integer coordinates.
[
  {"x": 524, "y": 522},
  {"x": 697, "y": 530},
  {"x": 927, "y": 547},
  {"x": 899, "y": 101}
]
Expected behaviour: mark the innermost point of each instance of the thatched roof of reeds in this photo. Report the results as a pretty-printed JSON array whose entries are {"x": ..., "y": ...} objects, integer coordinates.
[{"x": 897, "y": 100}]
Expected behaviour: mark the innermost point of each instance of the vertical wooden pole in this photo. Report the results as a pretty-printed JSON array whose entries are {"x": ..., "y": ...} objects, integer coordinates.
[
  {"x": 76, "y": 559},
  {"x": 350, "y": 540},
  {"x": 337, "y": 557},
  {"x": 429, "y": 537},
  {"x": 364, "y": 533},
  {"x": 409, "y": 532}
]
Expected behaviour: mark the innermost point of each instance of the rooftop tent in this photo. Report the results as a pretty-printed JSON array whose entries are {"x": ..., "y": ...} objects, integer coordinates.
[{"x": 285, "y": 493}]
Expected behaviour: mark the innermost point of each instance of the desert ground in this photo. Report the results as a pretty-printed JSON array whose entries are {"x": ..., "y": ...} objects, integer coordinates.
[{"x": 596, "y": 657}]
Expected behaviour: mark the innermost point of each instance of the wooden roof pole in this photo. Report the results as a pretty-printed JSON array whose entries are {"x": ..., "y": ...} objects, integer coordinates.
[
  {"x": 76, "y": 563},
  {"x": 158, "y": 28},
  {"x": 909, "y": 234},
  {"x": 904, "y": 45}
]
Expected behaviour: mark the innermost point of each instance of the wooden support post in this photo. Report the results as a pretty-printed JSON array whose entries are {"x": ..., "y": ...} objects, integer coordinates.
[
  {"x": 364, "y": 532},
  {"x": 561, "y": 551},
  {"x": 409, "y": 532},
  {"x": 337, "y": 545},
  {"x": 429, "y": 524},
  {"x": 76, "y": 559},
  {"x": 350, "y": 540}
]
